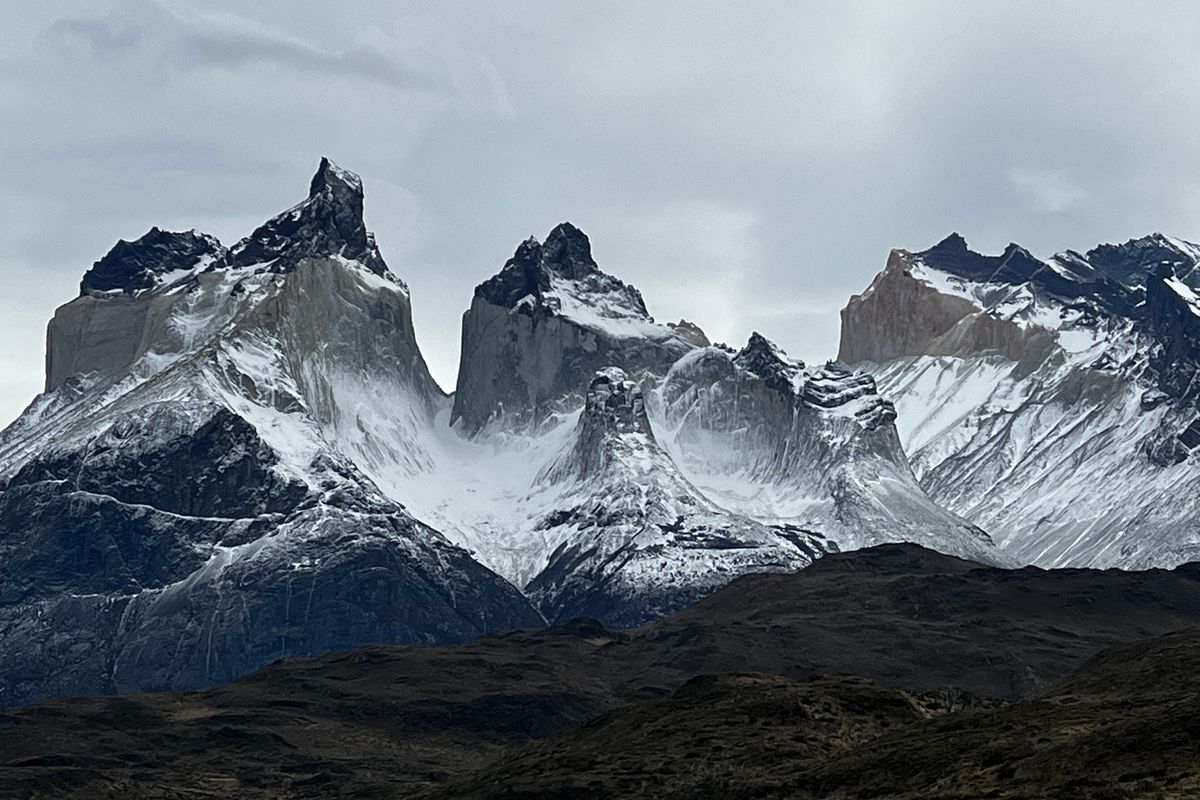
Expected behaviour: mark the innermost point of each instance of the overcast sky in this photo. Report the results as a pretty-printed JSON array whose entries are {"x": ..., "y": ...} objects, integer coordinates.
[{"x": 747, "y": 166}]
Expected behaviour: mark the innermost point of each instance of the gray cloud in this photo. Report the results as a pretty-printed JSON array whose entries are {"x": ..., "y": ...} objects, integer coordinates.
[
  {"x": 110, "y": 36},
  {"x": 747, "y": 169},
  {"x": 1049, "y": 191},
  {"x": 189, "y": 38},
  {"x": 165, "y": 154}
]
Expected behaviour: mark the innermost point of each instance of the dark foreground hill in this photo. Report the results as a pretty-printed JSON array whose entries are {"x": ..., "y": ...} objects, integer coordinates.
[
  {"x": 1126, "y": 725},
  {"x": 858, "y": 659}
]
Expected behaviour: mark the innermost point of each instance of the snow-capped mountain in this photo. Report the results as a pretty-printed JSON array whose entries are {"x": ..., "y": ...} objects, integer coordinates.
[
  {"x": 1052, "y": 402},
  {"x": 538, "y": 330},
  {"x": 182, "y": 506},
  {"x": 241, "y": 454},
  {"x": 750, "y": 447},
  {"x": 810, "y": 447}
]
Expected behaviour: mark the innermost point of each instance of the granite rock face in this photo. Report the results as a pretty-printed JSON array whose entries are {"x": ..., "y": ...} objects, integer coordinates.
[
  {"x": 123, "y": 307},
  {"x": 538, "y": 330},
  {"x": 899, "y": 316},
  {"x": 104, "y": 336}
]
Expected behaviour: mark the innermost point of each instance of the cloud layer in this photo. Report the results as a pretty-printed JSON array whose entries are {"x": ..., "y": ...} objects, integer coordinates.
[{"x": 747, "y": 169}]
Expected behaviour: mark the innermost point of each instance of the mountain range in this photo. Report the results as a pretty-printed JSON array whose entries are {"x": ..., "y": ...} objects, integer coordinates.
[{"x": 240, "y": 453}]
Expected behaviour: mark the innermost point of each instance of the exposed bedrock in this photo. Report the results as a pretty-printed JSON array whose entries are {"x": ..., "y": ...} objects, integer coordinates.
[
  {"x": 538, "y": 330},
  {"x": 899, "y": 315}
]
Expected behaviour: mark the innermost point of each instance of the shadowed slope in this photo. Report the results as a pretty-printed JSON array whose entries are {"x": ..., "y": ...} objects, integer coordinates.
[{"x": 387, "y": 720}]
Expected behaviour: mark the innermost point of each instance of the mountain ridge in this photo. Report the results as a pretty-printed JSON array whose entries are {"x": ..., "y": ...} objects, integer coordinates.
[{"x": 1051, "y": 402}]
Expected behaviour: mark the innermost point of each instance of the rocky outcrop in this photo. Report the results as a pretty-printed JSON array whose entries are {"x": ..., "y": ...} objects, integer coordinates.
[
  {"x": 142, "y": 264},
  {"x": 765, "y": 436},
  {"x": 539, "y": 329},
  {"x": 328, "y": 223},
  {"x": 638, "y": 540},
  {"x": 613, "y": 409}
]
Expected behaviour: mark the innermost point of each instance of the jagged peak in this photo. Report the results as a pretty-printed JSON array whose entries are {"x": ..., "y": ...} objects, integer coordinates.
[
  {"x": 954, "y": 242},
  {"x": 615, "y": 402},
  {"x": 568, "y": 251},
  {"x": 1151, "y": 239},
  {"x": 330, "y": 177},
  {"x": 1127, "y": 263},
  {"x": 612, "y": 425},
  {"x": 1142, "y": 255},
  {"x": 838, "y": 389},
  {"x": 832, "y": 388},
  {"x": 564, "y": 258},
  {"x": 133, "y": 266},
  {"x": 328, "y": 223},
  {"x": 1012, "y": 248},
  {"x": 764, "y": 359},
  {"x": 691, "y": 332},
  {"x": 952, "y": 255},
  {"x": 1142, "y": 252},
  {"x": 955, "y": 246}
]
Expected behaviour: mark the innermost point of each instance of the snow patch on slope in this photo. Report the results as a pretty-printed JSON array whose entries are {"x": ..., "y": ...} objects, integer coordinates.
[
  {"x": 607, "y": 312},
  {"x": 1055, "y": 455}
]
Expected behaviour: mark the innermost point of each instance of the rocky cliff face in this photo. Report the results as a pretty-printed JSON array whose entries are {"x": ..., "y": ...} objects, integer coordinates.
[
  {"x": 899, "y": 315},
  {"x": 117, "y": 319},
  {"x": 1049, "y": 402},
  {"x": 1172, "y": 320},
  {"x": 538, "y": 330}
]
